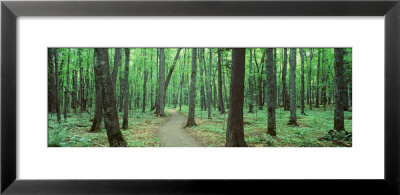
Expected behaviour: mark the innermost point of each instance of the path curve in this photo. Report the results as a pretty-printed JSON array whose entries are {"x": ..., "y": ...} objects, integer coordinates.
[{"x": 172, "y": 133}]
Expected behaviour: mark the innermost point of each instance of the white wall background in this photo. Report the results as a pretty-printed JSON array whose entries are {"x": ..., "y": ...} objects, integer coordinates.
[{"x": 364, "y": 160}]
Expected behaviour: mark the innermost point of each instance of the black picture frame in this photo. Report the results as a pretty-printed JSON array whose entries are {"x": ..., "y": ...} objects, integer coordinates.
[{"x": 10, "y": 10}]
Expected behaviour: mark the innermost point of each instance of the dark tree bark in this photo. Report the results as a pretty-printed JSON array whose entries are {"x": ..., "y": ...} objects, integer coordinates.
[
  {"x": 292, "y": 86},
  {"x": 67, "y": 85},
  {"x": 101, "y": 70},
  {"x": 81, "y": 83},
  {"x": 161, "y": 90},
  {"x": 250, "y": 82},
  {"x": 98, "y": 111},
  {"x": 339, "y": 89},
  {"x": 275, "y": 85},
  {"x": 51, "y": 88},
  {"x": 202, "y": 93},
  {"x": 285, "y": 95},
  {"x": 235, "y": 131},
  {"x": 126, "y": 90},
  {"x": 117, "y": 64},
  {"x": 221, "y": 100},
  {"x": 182, "y": 80},
  {"x": 260, "y": 79},
  {"x": 323, "y": 81},
  {"x": 208, "y": 84},
  {"x": 309, "y": 81},
  {"x": 151, "y": 78},
  {"x": 74, "y": 103},
  {"x": 191, "y": 122},
  {"x": 302, "y": 54},
  {"x": 171, "y": 70},
  {"x": 317, "y": 89},
  {"x": 271, "y": 92},
  {"x": 56, "y": 73},
  {"x": 121, "y": 92},
  {"x": 144, "y": 83}
]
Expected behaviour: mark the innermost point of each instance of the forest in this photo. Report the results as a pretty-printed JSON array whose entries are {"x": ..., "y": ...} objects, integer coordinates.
[{"x": 199, "y": 97}]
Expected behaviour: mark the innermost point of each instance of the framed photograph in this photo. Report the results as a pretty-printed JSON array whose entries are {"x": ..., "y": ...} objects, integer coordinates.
[{"x": 221, "y": 97}]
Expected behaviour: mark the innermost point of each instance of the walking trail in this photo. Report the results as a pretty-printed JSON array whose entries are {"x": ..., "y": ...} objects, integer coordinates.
[{"x": 172, "y": 133}]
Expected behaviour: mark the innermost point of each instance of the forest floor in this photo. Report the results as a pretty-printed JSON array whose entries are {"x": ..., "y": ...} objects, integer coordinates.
[
  {"x": 147, "y": 130},
  {"x": 74, "y": 132},
  {"x": 311, "y": 128},
  {"x": 172, "y": 133}
]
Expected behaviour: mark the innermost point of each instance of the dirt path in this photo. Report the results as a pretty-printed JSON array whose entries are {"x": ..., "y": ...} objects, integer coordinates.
[{"x": 172, "y": 133}]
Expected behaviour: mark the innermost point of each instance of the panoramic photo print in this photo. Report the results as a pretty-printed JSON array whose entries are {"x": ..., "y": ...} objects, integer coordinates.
[{"x": 199, "y": 97}]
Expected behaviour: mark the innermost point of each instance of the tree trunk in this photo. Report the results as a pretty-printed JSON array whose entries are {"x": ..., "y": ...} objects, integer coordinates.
[
  {"x": 208, "y": 84},
  {"x": 235, "y": 132},
  {"x": 285, "y": 94},
  {"x": 292, "y": 86},
  {"x": 51, "y": 80},
  {"x": 101, "y": 70},
  {"x": 117, "y": 63},
  {"x": 126, "y": 90},
  {"x": 81, "y": 82},
  {"x": 74, "y": 103},
  {"x": 67, "y": 85},
  {"x": 98, "y": 111},
  {"x": 56, "y": 72},
  {"x": 309, "y": 81},
  {"x": 251, "y": 82},
  {"x": 191, "y": 122},
  {"x": 323, "y": 80},
  {"x": 339, "y": 88},
  {"x": 182, "y": 80},
  {"x": 202, "y": 94},
  {"x": 271, "y": 93},
  {"x": 144, "y": 83},
  {"x": 151, "y": 79},
  {"x": 317, "y": 90},
  {"x": 302, "y": 54},
  {"x": 161, "y": 90},
  {"x": 221, "y": 100},
  {"x": 121, "y": 92}
]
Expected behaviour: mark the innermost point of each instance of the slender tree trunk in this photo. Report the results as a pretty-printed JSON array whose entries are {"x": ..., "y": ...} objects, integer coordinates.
[
  {"x": 81, "y": 82},
  {"x": 309, "y": 81},
  {"x": 302, "y": 54},
  {"x": 121, "y": 92},
  {"x": 271, "y": 92},
  {"x": 323, "y": 80},
  {"x": 202, "y": 94},
  {"x": 102, "y": 73},
  {"x": 275, "y": 85},
  {"x": 74, "y": 103},
  {"x": 235, "y": 132},
  {"x": 126, "y": 90},
  {"x": 67, "y": 85},
  {"x": 221, "y": 100},
  {"x": 171, "y": 70},
  {"x": 292, "y": 86},
  {"x": 98, "y": 111},
  {"x": 250, "y": 82},
  {"x": 51, "y": 80},
  {"x": 56, "y": 71},
  {"x": 161, "y": 90},
  {"x": 208, "y": 84},
  {"x": 339, "y": 87},
  {"x": 191, "y": 122},
  {"x": 182, "y": 80},
  {"x": 151, "y": 79},
  {"x": 317, "y": 90},
  {"x": 285, "y": 94},
  {"x": 117, "y": 63},
  {"x": 144, "y": 83}
]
